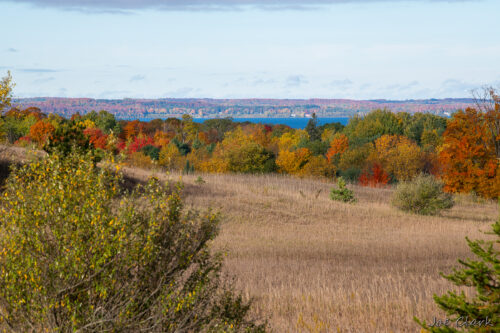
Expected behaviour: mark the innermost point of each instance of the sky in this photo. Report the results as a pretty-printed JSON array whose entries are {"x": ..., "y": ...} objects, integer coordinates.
[{"x": 355, "y": 49}]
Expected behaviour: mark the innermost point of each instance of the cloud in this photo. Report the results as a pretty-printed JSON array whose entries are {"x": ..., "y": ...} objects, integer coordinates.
[
  {"x": 123, "y": 6},
  {"x": 137, "y": 77},
  {"x": 12, "y": 50},
  {"x": 37, "y": 70},
  {"x": 114, "y": 94},
  {"x": 341, "y": 84},
  {"x": 182, "y": 92},
  {"x": 44, "y": 80},
  {"x": 457, "y": 88},
  {"x": 295, "y": 80},
  {"x": 403, "y": 87}
]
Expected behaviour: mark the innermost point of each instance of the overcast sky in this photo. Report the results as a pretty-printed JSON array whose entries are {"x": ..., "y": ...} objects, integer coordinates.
[{"x": 359, "y": 49}]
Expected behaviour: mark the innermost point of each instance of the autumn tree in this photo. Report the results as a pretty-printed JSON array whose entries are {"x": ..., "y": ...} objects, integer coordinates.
[
  {"x": 41, "y": 131},
  {"x": 398, "y": 156},
  {"x": 96, "y": 137},
  {"x": 189, "y": 128},
  {"x": 290, "y": 140},
  {"x": 338, "y": 146},
  {"x": 468, "y": 154},
  {"x": 374, "y": 176},
  {"x": 6, "y": 86},
  {"x": 292, "y": 162},
  {"x": 318, "y": 167},
  {"x": 170, "y": 157}
]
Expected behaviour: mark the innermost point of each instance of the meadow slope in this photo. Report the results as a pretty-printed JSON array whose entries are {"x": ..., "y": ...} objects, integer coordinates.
[{"x": 314, "y": 265}]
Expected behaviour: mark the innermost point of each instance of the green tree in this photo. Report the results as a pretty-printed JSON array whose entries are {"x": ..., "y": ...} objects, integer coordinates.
[
  {"x": 312, "y": 128},
  {"x": 372, "y": 126},
  {"x": 6, "y": 86},
  {"x": 482, "y": 274},
  {"x": 342, "y": 193},
  {"x": 80, "y": 255},
  {"x": 250, "y": 158}
]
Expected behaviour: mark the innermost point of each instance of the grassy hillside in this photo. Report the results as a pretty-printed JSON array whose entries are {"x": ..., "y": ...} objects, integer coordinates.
[
  {"x": 319, "y": 266},
  {"x": 314, "y": 265}
]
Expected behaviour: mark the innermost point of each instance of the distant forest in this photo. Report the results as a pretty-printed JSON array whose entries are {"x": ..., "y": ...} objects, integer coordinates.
[{"x": 213, "y": 108}]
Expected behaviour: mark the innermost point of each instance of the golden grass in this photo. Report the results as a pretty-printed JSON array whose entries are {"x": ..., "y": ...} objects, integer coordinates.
[{"x": 314, "y": 265}]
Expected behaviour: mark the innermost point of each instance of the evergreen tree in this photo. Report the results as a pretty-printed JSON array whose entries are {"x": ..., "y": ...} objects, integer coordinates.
[
  {"x": 480, "y": 313},
  {"x": 312, "y": 128}
]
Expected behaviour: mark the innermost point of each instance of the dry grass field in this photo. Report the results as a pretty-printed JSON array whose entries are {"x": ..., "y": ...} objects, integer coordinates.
[{"x": 314, "y": 265}]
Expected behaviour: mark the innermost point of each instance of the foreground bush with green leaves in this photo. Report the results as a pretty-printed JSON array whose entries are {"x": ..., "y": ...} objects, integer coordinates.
[
  {"x": 79, "y": 255},
  {"x": 423, "y": 195}
]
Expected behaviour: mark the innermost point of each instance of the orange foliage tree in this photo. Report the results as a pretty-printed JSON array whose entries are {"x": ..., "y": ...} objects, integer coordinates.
[
  {"x": 41, "y": 131},
  {"x": 338, "y": 146},
  {"x": 468, "y": 155}
]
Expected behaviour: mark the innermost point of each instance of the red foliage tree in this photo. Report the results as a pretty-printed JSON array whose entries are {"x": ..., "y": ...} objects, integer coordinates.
[
  {"x": 96, "y": 137},
  {"x": 374, "y": 176},
  {"x": 140, "y": 142}
]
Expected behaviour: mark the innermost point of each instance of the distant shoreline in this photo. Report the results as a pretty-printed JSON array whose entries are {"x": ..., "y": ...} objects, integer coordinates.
[{"x": 239, "y": 108}]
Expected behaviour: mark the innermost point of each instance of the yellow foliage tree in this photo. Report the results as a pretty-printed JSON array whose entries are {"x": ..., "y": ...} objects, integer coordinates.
[
  {"x": 218, "y": 163},
  {"x": 171, "y": 158},
  {"x": 292, "y": 161},
  {"x": 290, "y": 140},
  {"x": 6, "y": 87},
  {"x": 399, "y": 156},
  {"x": 317, "y": 166}
]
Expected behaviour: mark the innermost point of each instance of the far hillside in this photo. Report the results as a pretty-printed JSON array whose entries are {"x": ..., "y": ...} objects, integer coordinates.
[{"x": 130, "y": 108}]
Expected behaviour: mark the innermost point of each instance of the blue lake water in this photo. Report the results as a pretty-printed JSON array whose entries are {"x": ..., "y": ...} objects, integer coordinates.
[{"x": 297, "y": 123}]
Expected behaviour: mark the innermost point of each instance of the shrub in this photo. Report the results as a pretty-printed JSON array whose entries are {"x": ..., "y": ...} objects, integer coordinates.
[
  {"x": 342, "y": 193},
  {"x": 483, "y": 274},
  {"x": 151, "y": 151},
  {"x": 318, "y": 166},
  {"x": 66, "y": 138},
  {"x": 200, "y": 180},
  {"x": 138, "y": 159},
  {"x": 424, "y": 195},
  {"x": 79, "y": 255},
  {"x": 351, "y": 175}
]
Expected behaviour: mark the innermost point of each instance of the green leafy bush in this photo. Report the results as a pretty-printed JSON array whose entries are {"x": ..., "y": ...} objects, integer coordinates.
[
  {"x": 200, "y": 180},
  {"x": 151, "y": 151},
  {"x": 342, "y": 193},
  {"x": 482, "y": 310},
  {"x": 79, "y": 255},
  {"x": 423, "y": 195},
  {"x": 351, "y": 175}
]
